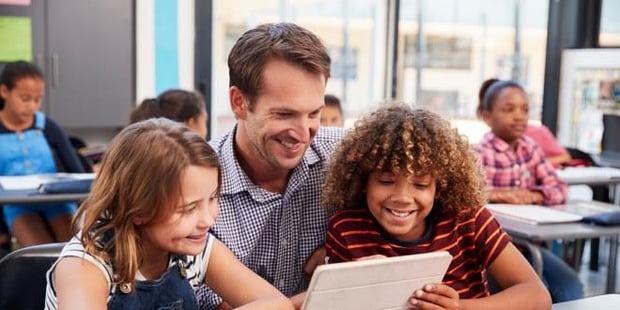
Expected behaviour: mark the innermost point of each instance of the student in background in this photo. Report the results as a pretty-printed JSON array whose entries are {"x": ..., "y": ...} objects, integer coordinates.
[
  {"x": 136, "y": 234},
  {"x": 518, "y": 173},
  {"x": 274, "y": 158},
  {"x": 175, "y": 104},
  {"x": 554, "y": 152},
  {"x": 30, "y": 144},
  {"x": 331, "y": 115},
  {"x": 405, "y": 182}
]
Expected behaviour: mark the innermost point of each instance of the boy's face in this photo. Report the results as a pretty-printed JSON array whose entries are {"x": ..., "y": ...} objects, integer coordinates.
[
  {"x": 330, "y": 116},
  {"x": 508, "y": 115},
  {"x": 185, "y": 231},
  {"x": 399, "y": 204},
  {"x": 21, "y": 102}
]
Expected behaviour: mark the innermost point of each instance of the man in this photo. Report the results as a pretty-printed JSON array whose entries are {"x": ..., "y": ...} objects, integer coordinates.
[{"x": 273, "y": 160}]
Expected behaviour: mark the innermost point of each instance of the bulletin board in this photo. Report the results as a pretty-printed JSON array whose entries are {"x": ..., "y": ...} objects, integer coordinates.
[{"x": 15, "y": 38}]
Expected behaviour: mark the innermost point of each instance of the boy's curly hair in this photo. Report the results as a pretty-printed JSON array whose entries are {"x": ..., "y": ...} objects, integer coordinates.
[{"x": 399, "y": 139}]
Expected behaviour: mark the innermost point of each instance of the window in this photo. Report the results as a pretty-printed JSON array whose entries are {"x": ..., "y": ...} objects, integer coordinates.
[
  {"x": 441, "y": 51},
  {"x": 610, "y": 24},
  {"x": 354, "y": 32},
  {"x": 344, "y": 63},
  {"x": 461, "y": 44}
]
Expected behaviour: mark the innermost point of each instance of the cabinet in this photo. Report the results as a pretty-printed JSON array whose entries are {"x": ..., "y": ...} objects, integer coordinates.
[{"x": 86, "y": 51}]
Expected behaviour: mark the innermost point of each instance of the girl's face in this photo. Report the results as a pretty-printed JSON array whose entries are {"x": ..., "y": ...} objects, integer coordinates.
[
  {"x": 401, "y": 204},
  {"x": 508, "y": 114},
  {"x": 186, "y": 230},
  {"x": 21, "y": 102},
  {"x": 199, "y": 124}
]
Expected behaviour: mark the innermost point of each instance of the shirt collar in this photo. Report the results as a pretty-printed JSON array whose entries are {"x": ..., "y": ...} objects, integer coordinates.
[
  {"x": 500, "y": 145},
  {"x": 235, "y": 179}
]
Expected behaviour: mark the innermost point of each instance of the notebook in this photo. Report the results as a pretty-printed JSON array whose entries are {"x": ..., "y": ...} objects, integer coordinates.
[
  {"x": 385, "y": 283},
  {"x": 533, "y": 213}
]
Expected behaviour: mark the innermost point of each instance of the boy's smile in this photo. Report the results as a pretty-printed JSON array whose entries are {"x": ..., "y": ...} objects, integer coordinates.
[{"x": 401, "y": 204}]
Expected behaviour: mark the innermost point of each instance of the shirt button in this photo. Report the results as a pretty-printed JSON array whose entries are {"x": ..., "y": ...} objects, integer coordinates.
[
  {"x": 281, "y": 283},
  {"x": 25, "y": 150},
  {"x": 27, "y": 164},
  {"x": 20, "y": 136},
  {"x": 283, "y": 243}
]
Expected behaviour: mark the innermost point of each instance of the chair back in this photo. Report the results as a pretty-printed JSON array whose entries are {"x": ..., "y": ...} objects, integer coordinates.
[{"x": 22, "y": 276}]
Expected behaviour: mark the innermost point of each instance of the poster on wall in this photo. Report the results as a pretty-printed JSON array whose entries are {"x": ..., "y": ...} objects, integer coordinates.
[
  {"x": 15, "y": 38},
  {"x": 15, "y": 2}
]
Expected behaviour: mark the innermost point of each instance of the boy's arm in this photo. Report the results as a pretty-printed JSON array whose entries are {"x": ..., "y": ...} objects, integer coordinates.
[{"x": 522, "y": 289}]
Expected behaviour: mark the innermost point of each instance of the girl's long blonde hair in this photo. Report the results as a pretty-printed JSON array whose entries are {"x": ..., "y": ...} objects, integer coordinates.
[{"x": 139, "y": 177}]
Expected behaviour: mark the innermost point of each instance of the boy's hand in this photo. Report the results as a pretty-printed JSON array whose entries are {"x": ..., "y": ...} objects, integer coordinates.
[
  {"x": 435, "y": 296},
  {"x": 316, "y": 258}
]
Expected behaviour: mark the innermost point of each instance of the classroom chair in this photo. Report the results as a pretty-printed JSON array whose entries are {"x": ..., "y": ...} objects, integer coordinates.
[{"x": 23, "y": 276}]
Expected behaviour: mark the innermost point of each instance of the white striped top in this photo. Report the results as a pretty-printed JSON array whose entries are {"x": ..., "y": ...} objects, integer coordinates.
[{"x": 196, "y": 267}]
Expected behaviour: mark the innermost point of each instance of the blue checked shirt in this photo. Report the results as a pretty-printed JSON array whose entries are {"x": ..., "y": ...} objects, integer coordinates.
[{"x": 272, "y": 233}]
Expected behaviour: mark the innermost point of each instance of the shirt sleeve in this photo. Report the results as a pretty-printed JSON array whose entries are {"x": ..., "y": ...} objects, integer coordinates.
[
  {"x": 60, "y": 145},
  {"x": 548, "y": 183},
  {"x": 492, "y": 175},
  {"x": 335, "y": 245},
  {"x": 490, "y": 238},
  {"x": 548, "y": 143}
]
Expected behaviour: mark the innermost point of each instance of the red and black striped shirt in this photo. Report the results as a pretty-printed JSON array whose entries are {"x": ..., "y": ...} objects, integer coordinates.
[{"x": 473, "y": 243}]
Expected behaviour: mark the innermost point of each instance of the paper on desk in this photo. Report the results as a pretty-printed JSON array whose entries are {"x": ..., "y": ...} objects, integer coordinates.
[
  {"x": 585, "y": 175},
  {"x": 24, "y": 182},
  {"x": 533, "y": 213}
]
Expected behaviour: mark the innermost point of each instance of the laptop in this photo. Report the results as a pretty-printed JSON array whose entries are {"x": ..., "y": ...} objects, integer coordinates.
[
  {"x": 607, "y": 159},
  {"x": 377, "y": 284}
]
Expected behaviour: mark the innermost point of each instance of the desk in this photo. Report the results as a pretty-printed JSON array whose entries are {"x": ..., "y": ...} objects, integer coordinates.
[
  {"x": 24, "y": 189},
  {"x": 30, "y": 197},
  {"x": 532, "y": 232},
  {"x": 592, "y": 176},
  {"x": 601, "y": 302}
]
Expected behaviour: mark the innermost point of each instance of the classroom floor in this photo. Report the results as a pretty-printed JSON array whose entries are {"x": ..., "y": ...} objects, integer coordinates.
[{"x": 595, "y": 281}]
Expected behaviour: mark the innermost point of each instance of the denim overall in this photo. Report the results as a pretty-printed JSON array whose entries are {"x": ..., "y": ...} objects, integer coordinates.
[
  {"x": 171, "y": 291},
  {"x": 27, "y": 153}
]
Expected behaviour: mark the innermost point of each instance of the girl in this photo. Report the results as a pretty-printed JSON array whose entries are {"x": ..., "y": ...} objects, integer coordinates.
[
  {"x": 404, "y": 182},
  {"x": 144, "y": 241},
  {"x": 518, "y": 173},
  {"x": 30, "y": 143},
  {"x": 175, "y": 104}
]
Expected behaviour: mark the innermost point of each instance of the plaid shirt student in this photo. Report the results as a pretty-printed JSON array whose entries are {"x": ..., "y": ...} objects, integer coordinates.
[
  {"x": 272, "y": 233},
  {"x": 522, "y": 167}
]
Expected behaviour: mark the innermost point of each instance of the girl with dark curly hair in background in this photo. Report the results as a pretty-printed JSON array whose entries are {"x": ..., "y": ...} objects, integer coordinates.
[{"x": 404, "y": 182}]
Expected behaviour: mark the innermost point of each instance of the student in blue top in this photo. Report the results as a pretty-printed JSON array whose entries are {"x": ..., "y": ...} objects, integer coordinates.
[
  {"x": 142, "y": 236},
  {"x": 30, "y": 143}
]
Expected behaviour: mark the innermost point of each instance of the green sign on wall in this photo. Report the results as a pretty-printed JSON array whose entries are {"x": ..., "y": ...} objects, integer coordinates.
[{"x": 15, "y": 38}]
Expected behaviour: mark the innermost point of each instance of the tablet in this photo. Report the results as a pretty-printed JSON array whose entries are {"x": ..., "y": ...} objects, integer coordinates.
[{"x": 384, "y": 283}]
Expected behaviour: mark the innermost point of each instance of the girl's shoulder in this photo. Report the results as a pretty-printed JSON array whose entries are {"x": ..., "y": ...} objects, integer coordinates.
[{"x": 75, "y": 248}]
